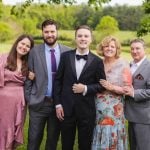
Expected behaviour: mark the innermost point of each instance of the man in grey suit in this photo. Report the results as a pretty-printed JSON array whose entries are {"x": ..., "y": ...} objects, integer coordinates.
[
  {"x": 137, "y": 108},
  {"x": 39, "y": 91}
]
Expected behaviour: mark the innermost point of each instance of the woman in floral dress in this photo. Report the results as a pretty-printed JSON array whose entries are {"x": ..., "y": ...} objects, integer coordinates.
[
  {"x": 110, "y": 132},
  {"x": 13, "y": 72}
]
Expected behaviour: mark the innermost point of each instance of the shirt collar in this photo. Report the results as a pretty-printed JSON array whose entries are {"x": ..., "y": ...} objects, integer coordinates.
[
  {"x": 48, "y": 48},
  {"x": 138, "y": 63}
]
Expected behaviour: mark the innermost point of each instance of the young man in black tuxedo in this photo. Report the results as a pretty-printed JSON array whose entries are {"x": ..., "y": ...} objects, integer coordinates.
[{"x": 76, "y": 83}]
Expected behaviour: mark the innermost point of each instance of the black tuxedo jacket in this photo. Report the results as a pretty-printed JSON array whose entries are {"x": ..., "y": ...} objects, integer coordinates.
[{"x": 92, "y": 72}]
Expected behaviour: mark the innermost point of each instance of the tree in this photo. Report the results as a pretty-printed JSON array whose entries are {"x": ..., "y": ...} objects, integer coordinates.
[
  {"x": 107, "y": 25},
  {"x": 19, "y": 11},
  {"x": 90, "y": 2},
  {"x": 145, "y": 21},
  {"x": 128, "y": 17}
]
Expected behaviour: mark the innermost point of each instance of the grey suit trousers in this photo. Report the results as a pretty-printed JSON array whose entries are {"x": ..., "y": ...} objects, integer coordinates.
[{"x": 137, "y": 140}]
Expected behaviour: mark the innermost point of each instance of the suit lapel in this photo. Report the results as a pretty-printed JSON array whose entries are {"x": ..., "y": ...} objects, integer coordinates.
[
  {"x": 61, "y": 48},
  {"x": 43, "y": 57},
  {"x": 72, "y": 60},
  {"x": 143, "y": 65},
  {"x": 89, "y": 61}
]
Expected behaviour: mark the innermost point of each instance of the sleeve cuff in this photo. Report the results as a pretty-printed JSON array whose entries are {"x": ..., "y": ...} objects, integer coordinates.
[
  {"x": 58, "y": 106},
  {"x": 85, "y": 90}
]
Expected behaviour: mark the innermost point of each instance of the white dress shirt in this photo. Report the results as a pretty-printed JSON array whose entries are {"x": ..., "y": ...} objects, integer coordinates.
[
  {"x": 79, "y": 64},
  {"x": 134, "y": 66}
]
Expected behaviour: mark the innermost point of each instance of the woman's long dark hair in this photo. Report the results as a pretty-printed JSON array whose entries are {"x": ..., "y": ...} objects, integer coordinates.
[{"x": 12, "y": 56}]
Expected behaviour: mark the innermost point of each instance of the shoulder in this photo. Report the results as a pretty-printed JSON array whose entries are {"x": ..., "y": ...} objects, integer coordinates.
[
  {"x": 37, "y": 48},
  {"x": 64, "y": 46},
  {"x": 96, "y": 57},
  {"x": 3, "y": 57},
  {"x": 67, "y": 53},
  {"x": 146, "y": 63},
  {"x": 122, "y": 62}
]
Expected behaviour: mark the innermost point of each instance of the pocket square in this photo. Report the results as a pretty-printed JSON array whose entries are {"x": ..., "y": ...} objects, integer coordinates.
[{"x": 139, "y": 77}]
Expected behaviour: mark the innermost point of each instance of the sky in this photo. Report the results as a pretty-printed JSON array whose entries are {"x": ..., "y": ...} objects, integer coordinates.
[{"x": 113, "y": 2}]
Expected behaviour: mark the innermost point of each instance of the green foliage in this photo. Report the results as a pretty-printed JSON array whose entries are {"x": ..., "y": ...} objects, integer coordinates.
[
  {"x": 86, "y": 15},
  {"x": 97, "y": 3},
  {"x": 29, "y": 26},
  {"x": 146, "y": 6},
  {"x": 5, "y": 32},
  {"x": 1, "y": 10},
  {"x": 145, "y": 22},
  {"x": 144, "y": 26},
  {"x": 107, "y": 26},
  {"x": 29, "y": 20},
  {"x": 128, "y": 17}
]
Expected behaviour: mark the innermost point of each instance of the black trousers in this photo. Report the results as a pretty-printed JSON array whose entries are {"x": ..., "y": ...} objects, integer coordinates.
[
  {"x": 85, "y": 126},
  {"x": 38, "y": 120}
]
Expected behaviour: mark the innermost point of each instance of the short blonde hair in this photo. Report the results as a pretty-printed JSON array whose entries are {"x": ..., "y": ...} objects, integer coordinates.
[{"x": 105, "y": 42}]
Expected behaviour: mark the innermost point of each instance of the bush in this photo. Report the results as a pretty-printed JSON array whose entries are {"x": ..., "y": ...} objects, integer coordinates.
[
  {"x": 5, "y": 32},
  {"x": 29, "y": 26}
]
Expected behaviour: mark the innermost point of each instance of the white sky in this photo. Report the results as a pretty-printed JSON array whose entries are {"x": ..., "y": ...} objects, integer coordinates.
[{"x": 113, "y": 2}]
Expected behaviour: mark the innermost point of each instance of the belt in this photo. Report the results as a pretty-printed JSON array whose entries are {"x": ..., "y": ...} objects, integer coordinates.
[{"x": 48, "y": 99}]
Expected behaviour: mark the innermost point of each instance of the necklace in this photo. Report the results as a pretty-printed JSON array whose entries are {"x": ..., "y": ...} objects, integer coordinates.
[{"x": 109, "y": 66}]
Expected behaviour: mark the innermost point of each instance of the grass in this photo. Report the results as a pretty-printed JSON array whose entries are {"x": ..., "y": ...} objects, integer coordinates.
[
  {"x": 69, "y": 35},
  {"x": 24, "y": 146},
  {"x": 126, "y": 55}
]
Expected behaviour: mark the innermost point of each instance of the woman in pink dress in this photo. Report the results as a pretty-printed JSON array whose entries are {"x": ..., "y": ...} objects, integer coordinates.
[{"x": 13, "y": 72}]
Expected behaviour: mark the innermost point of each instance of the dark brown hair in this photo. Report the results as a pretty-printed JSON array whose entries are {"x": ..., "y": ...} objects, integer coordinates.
[
  {"x": 49, "y": 22},
  {"x": 12, "y": 56},
  {"x": 83, "y": 27}
]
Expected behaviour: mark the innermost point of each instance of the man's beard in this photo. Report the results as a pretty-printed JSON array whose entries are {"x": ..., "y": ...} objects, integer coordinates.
[{"x": 51, "y": 43}]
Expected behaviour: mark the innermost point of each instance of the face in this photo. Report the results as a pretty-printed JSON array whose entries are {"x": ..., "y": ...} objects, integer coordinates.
[
  {"x": 50, "y": 34},
  {"x": 83, "y": 39},
  {"x": 110, "y": 50},
  {"x": 137, "y": 51},
  {"x": 23, "y": 47}
]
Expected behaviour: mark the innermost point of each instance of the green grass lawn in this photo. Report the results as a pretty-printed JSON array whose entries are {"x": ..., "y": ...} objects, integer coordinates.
[{"x": 5, "y": 47}]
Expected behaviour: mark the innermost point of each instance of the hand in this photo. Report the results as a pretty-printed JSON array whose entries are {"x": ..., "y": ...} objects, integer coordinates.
[
  {"x": 78, "y": 88},
  {"x": 31, "y": 75},
  {"x": 106, "y": 84},
  {"x": 129, "y": 91},
  {"x": 60, "y": 113}
]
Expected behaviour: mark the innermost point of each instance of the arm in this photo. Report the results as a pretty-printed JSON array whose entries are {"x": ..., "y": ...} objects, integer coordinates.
[
  {"x": 58, "y": 87},
  {"x": 95, "y": 86},
  {"x": 100, "y": 74},
  {"x": 28, "y": 82},
  {"x": 59, "y": 81},
  {"x": 3, "y": 59},
  {"x": 127, "y": 82}
]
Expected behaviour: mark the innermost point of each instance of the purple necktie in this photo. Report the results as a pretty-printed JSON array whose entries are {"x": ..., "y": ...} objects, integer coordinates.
[{"x": 53, "y": 64}]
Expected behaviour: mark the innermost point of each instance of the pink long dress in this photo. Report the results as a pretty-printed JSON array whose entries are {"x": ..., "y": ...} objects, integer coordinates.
[{"x": 12, "y": 106}]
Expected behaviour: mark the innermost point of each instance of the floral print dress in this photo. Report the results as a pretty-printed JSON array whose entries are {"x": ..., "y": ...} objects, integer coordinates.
[{"x": 110, "y": 132}]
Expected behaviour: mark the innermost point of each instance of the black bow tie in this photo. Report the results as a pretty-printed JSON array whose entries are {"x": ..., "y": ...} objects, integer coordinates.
[{"x": 85, "y": 57}]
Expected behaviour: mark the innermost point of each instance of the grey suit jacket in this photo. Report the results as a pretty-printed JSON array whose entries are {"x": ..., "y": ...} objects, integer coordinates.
[
  {"x": 137, "y": 109},
  {"x": 35, "y": 90}
]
